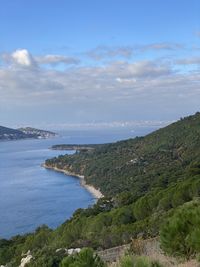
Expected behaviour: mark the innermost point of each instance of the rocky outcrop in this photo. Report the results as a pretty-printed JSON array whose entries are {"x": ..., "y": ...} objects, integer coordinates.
[
  {"x": 26, "y": 259},
  {"x": 69, "y": 251}
]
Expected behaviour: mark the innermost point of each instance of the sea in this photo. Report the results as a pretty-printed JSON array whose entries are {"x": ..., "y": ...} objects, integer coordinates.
[{"x": 30, "y": 195}]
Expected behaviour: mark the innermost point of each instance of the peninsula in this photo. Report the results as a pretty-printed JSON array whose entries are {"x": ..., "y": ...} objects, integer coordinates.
[
  {"x": 76, "y": 147},
  {"x": 7, "y": 134}
]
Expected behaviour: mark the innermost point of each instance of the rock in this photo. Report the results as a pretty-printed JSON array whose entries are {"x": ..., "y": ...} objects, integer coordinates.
[
  {"x": 69, "y": 251},
  {"x": 27, "y": 253},
  {"x": 26, "y": 260},
  {"x": 61, "y": 249},
  {"x": 72, "y": 251}
]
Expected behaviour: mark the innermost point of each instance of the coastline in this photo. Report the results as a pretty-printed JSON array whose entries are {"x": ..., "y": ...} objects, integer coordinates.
[{"x": 95, "y": 192}]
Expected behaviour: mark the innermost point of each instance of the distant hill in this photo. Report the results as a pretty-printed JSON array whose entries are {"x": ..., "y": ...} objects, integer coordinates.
[
  {"x": 23, "y": 133},
  {"x": 37, "y": 132},
  {"x": 11, "y": 134}
]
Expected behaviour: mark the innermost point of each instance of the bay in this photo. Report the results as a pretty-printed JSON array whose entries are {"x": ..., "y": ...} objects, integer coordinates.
[{"x": 31, "y": 195}]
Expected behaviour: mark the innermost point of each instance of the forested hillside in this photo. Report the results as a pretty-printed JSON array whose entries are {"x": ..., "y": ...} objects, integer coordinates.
[
  {"x": 152, "y": 188},
  {"x": 140, "y": 164}
]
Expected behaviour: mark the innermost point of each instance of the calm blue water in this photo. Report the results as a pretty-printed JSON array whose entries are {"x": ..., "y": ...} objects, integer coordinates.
[{"x": 31, "y": 195}]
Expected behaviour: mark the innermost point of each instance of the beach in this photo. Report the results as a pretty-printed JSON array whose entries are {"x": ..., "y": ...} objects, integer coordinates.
[{"x": 95, "y": 192}]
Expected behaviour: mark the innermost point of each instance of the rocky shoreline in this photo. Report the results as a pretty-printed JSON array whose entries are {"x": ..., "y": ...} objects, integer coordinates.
[{"x": 95, "y": 192}]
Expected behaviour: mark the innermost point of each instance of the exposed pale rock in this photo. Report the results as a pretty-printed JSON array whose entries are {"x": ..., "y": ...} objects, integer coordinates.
[
  {"x": 69, "y": 251},
  {"x": 26, "y": 260},
  {"x": 72, "y": 251}
]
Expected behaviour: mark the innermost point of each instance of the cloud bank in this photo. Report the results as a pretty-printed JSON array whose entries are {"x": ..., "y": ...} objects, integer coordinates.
[{"x": 119, "y": 90}]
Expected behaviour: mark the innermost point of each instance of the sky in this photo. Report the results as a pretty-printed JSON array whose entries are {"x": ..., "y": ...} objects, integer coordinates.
[{"x": 98, "y": 63}]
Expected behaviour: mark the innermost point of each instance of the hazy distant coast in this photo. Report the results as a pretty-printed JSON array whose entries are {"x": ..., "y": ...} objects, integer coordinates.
[
  {"x": 95, "y": 192},
  {"x": 8, "y": 134}
]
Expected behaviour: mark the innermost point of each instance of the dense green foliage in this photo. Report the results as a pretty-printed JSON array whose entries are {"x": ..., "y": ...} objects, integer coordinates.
[
  {"x": 145, "y": 180},
  {"x": 46, "y": 257},
  {"x": 138, "y": 165},
  {"x": 180, "y": 235},
  {"x": 86, "y": 258},
  {"x": 83, "y": 148}
]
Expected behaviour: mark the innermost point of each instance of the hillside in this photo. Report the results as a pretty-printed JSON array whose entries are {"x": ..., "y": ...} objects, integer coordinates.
[
  {"x": 38, "y": 133},
  {"x": 10, "y": 134},
  {"x": 74, "y": 147},
  {"x": 140, "y": 164},
  {"x": 152, "y": 188},
  {"x": 23, "y": 133}
]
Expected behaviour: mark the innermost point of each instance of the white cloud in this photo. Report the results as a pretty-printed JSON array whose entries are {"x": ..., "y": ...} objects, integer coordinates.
[
  {"x": 161, "y": 46},
  {"x": 103, "y": 52},
  {"x": 148, "y": 69},
  {"x": 22, "y": 57},
  {"x": 189, "y": 61},
  {"x": 57, "y": 59},
  {"x": 114, "y": 91},
  {"x": 126, "y": 52}
]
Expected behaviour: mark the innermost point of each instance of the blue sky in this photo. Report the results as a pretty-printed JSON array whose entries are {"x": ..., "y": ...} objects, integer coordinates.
[{"x": 100, "y": 62}]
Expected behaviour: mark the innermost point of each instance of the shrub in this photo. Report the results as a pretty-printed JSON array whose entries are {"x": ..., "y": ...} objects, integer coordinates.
[
  {"x": 86, "y": 258},
  {"x": 180, "y": 235},
  {"x": 132, "y": 261}
]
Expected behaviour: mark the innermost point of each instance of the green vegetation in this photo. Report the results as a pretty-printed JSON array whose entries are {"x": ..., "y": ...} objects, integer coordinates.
[
  {"x": 46, "y": 257},
  {"x": 151, "y": 186},
  {"x": 83, "y": 148},
  {"x": 180, "y": 236},
  {"x": 133, "y": 261},
  {"x": 141, "y": 164},
  {"x": 85, "y": 258}
]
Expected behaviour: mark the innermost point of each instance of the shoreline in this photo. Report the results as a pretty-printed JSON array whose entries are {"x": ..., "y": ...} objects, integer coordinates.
[{"x": 95, "y": 192}]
